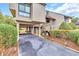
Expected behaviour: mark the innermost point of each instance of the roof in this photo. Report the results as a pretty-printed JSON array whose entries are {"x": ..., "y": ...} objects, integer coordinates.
[
  {"x": 58, "y": 13},
  {"x": 43, "y": 4}
]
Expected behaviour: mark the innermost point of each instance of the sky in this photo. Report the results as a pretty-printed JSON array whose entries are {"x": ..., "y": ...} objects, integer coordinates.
[
  {"x": 4, "y": 9},
  {"x": 69, "y": 9}
]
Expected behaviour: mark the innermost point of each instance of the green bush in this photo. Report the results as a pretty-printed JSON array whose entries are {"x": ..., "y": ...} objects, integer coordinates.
[
  {"x": 68, "y": 26},
  {"x": 59, "y": 34},
  {"x": 74, "y": 19},
  {"x": 7, "y": 20},
  {"x": 65, "y": 26},
  {"x": 8, "y": 34},
  {"x": 73, "y": 25},
  {"x": 55, "y": 33},
  {"x": 64, "y": 34},
  {"x": 78, "y": 41},
  {"x": 73, "y": 35}
]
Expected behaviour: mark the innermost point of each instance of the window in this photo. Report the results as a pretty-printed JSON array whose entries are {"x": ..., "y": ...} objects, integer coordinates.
[
  {"x": 24, "y": 9},
  {"x": 47, "y": 20},
  {"x": 66, "y": 19}
]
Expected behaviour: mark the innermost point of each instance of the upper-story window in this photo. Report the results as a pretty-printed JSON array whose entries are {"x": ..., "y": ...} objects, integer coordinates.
[{"x": 24, "y": 9}]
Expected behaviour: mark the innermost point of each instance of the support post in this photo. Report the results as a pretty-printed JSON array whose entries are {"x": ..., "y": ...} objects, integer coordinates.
[
  {"x": 17, "y": 31},
  {"x": 39, "y": 30},
  {"x": 33, "y": 30}
]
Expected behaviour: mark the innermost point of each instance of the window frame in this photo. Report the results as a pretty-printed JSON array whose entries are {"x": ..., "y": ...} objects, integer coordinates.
[{"x": 24, "y": 9}]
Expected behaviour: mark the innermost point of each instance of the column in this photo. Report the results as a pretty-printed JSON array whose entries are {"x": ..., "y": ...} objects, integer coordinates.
[
  {"x": 33, "y": 30},
  {"x": 39, "y": 30},
  {"x": 18, "y": 25},
  {"x": 28, "y": 28}
]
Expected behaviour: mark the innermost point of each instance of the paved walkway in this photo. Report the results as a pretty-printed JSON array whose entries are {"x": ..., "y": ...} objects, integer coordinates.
[{"x": 31, "y": 45}]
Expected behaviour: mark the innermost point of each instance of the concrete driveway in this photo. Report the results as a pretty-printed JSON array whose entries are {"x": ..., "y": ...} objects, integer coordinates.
[{"x": 31, "y": 45}]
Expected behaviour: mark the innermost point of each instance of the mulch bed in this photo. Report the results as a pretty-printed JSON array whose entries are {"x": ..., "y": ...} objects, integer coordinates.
[
  {"x": 65, "y": 42},
  {"x": 11, "y": 51}
]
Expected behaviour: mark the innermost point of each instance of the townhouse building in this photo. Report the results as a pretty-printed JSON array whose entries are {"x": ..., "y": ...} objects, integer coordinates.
[{"x": 33, "y": 18}]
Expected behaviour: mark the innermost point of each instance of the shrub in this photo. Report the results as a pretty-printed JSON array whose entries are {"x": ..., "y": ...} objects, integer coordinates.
[
  {"x": 55, "y": 33},
  {"x": 74, "y": 19},
  {"x": 78, "y": 41},
  {"x": 8, "y": 34},
  {"x": 59, "y": 34},
  {"x": 73, "y": 25},
  {"x": 73, "y": 35},
  {"x": 7, "y": 20},
  {"x": 65, "y": 26},
  {"x": 64, "y": 34},
  {"x": 68, "y": 26}
]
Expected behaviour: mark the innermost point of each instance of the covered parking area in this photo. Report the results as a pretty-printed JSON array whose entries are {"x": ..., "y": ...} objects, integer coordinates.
[{"x": 30, "y": 27}]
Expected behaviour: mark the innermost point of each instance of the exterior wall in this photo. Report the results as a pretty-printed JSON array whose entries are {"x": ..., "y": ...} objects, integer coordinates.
[
  {"x": 37, "y": 13},
  {"x": 47, "y": 27},
  {"x": 18, "y": 17},
  {"x": 59, "y": 19},
  {"x": 67, "y": 19}
]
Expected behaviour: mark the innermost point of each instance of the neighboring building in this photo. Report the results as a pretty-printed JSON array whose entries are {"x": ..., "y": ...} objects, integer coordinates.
[
  {"x": 77, "y": 23},
  {"x": 33, "y": 18},
  {"x": 54, "y": 20},
  {"x": 67, "y": 19},
  {"x": 30, "y": 17}
]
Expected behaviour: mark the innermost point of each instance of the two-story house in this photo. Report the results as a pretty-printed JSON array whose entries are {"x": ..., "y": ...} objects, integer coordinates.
[
  {"x": 29, "y": 16},
  {"x": 33, "y": 18}
]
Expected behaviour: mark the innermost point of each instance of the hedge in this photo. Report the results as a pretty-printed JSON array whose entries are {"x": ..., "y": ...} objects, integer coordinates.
[
  {"x": 8, "y": 35},
  {"x": 73, "y": 35}
]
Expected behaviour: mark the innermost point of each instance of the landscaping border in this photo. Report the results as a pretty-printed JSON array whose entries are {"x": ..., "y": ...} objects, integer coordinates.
[{"x": 61, "y": 45}]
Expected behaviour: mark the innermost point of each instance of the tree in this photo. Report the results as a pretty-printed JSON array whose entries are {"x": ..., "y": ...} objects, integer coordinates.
[
  {"x": 75, "y": 19},
  {"x": 10, "y": 20},
  {"x": 1, "y": 16},
  {"x": 7, "y": 20}
]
